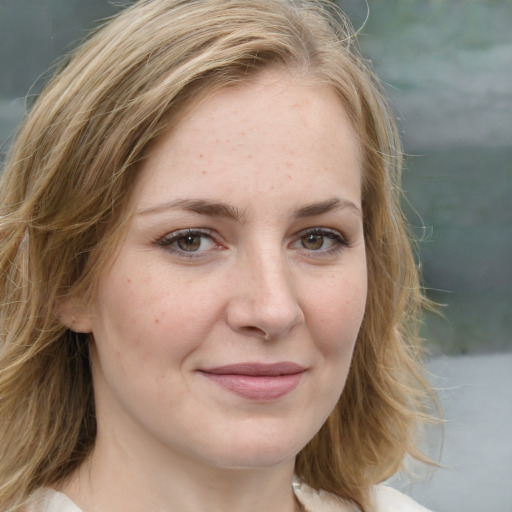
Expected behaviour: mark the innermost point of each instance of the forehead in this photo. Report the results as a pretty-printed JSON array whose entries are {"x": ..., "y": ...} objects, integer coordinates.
[{"x": 277, "y": 126}]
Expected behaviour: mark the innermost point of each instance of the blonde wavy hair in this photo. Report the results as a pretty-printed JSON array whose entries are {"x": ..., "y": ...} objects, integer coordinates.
[{"x": 63, "y": 199}]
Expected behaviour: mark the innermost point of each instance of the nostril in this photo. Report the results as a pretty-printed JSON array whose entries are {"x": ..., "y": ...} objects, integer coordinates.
[{"x": 255, "y": 330}]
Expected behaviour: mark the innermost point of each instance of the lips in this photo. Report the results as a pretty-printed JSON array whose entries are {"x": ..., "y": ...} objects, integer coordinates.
[{"x": 257, "y": 381}]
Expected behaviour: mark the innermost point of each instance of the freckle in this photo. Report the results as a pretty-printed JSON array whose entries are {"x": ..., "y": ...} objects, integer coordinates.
[
  {"x": 204, "y": 172},
  {"x": 157, "y": 320},
  {"x": 201, "y": 155},
  {"x": 128, "y": 280},
  {"x": 250, "y": 157}
]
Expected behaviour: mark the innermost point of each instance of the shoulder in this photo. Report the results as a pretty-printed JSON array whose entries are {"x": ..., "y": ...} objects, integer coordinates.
[
  {"x": 47, "y": 500},
  {"x": 320, "y": 501},
  {"x": 386, "y": 499}
]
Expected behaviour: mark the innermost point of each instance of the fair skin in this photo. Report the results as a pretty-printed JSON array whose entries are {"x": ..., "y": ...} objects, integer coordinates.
[{"x": 245, "y": 249}]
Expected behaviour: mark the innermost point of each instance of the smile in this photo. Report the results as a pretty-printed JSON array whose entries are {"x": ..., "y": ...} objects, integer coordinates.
[{"x": 257, "y": 381}]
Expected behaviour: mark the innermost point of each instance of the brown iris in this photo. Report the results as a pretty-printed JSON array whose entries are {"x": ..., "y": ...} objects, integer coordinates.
[
  {"x": 313, "y": 242},
  {"x": 189, "y": 243}
]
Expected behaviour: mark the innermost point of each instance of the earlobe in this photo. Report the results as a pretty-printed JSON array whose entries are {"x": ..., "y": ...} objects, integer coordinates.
[{"x": 74, "y": 314}]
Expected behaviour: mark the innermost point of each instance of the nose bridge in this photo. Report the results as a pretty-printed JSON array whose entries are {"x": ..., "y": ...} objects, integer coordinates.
[
  {"x": 271, "y": 279},
  {"x": 264, "y": 298}
]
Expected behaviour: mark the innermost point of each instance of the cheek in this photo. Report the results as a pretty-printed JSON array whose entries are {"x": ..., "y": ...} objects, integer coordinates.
[
  {"x": 336, "y": 312},
  {"x": 143, "y": 318},
  {"x": 140, "y": 340}
]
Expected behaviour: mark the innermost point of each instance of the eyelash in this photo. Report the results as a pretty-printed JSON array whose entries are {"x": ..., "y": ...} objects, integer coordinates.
[{"x": 168, "y": 241}]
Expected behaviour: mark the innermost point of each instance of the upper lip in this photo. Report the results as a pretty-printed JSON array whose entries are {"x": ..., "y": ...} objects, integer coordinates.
[{"x": 257, "y": 369}]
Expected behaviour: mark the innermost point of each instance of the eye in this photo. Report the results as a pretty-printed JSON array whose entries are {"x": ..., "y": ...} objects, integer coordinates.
[
  {"x": 188, "y": 241},
  {"x": 322, "y": 240},
  {"x": 313, "y": 241}
]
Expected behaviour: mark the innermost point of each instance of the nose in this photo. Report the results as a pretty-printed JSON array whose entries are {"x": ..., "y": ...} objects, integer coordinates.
[{"x": 263, "y": 300}]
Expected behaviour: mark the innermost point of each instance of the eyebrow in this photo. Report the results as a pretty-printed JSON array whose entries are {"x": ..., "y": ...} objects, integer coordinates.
[
  {"x": 219, "y": 209},
  {"x": 200, "y": 206},
  {"x": 330, "y": 205}
]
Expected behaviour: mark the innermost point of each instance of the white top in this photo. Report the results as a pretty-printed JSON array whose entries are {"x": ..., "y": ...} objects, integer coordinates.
[{"x": 386, "y": 498}]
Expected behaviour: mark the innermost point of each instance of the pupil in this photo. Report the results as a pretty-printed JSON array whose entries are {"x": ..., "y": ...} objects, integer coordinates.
[
  {"x": 313, "y": 241},
  {"x": 189, "y": 243}
]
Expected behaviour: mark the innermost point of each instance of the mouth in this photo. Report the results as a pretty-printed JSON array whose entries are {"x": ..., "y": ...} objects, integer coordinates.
[{"x": 257, "y": 381}]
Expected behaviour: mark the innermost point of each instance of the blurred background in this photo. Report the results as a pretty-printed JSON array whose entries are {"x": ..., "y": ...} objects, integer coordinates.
[{"x": 447, "y": 67}]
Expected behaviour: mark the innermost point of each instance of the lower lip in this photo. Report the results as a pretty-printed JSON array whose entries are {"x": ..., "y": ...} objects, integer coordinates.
[{"x": 255, "y": 387}]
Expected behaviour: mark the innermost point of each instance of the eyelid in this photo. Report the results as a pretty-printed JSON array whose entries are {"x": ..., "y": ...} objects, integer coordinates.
[
  {"x": 178, "y": 233},
  {"x": 334, "y": 233}
]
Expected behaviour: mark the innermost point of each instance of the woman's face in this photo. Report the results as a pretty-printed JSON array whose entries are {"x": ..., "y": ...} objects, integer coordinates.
[{"x": 224, "y": 329}]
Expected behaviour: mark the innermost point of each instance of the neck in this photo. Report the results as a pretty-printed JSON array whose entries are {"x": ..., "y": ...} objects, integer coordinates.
[{"x": 145, "y": 482}]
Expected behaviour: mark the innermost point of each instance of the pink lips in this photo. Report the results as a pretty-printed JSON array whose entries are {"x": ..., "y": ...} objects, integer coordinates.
[{"x": 257, "y": 381}]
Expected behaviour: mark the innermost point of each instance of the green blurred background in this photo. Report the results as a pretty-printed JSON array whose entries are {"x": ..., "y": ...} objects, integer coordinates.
[{"x": 447, "y": 66}]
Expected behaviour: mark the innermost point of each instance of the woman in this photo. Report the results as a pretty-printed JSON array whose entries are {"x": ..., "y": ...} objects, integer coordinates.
[{"x": 207, "y": 286}]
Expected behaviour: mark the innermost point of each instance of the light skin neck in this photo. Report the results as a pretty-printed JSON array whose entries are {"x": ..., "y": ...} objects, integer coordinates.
[{"x": 117, "y": 478}]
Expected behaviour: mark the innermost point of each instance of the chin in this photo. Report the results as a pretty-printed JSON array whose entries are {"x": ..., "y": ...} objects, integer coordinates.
[
  {"x": 263, "y": 453},
  {"x": 255, "y": 461}
]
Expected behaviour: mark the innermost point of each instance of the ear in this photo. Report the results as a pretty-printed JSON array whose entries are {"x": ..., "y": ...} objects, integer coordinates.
[{"x": 74, "y": 313}]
